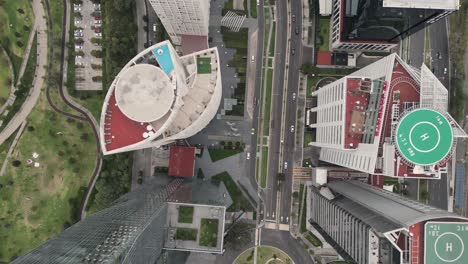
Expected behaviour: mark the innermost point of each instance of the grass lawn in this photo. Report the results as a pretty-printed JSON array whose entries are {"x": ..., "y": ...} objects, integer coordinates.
[
  {"x": 6, "y": 78},
  {"x": 253, "y": 8},
  {"x": 272, "y": 40},
  {"x": 41, "y": 202},
  {"x": 263, "y": 179},
  {"x": 240, "y": 202},
  {"x": 208, "y": 232},
  {"x": 17, "y": 20},
  {"x": 266, "y": 254},
  {"x": 219, "y": 154},
  {"x": 309, "y": 136},
  {"x": 324, "y": 44},
  {"x": 313, "y": 239},
  {"x": 302, "y": 192},
  {"x": 186, "y": 234},
  {"x": 267, "y": 109},
  {"x": 203, "y": 65},
  {"x": 185, "y": 214}
]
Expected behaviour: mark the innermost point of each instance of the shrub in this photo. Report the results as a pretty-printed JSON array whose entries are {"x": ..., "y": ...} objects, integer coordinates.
[{"x": 16, "y": 163}]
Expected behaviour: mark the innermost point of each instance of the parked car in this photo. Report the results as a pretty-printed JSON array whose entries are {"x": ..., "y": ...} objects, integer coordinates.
[
  {"x": 292, "y": 128},
  {"x": 248, "y": 155},
  {"x": 285, "y": 165},
  {"x": 98, "y": 35},
  {"x": 294, "y": 18},
  {"x": 297, "y": 30},
  {"x": 294, "y": 96}
]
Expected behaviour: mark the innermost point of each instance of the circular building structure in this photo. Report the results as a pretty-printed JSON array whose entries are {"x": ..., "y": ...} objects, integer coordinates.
[
  {"x": 144, "y": 93},
  {"x": 159, "y": 97},
  {"x": 424, "y": 137}
]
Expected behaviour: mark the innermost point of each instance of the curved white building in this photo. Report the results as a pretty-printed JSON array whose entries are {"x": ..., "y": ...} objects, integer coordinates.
[{"x": 159, "y": 97}]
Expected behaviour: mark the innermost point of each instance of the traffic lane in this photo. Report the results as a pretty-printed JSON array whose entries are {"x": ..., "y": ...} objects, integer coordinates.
[
  {"x": 295, "y": 57},
  {"x": 438, "y": 192},
  {"x": 277, "y": 91},
  {"x": 417, "y": 48},
  {"x": 257, "y": 85},
  {"x": 284, "y": 241},
  {"x": 439, "y": 50}
]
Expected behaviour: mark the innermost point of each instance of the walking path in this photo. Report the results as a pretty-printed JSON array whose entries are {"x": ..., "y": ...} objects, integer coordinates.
[
  {"x": 12, "y": 147},
  {"x": 38, "y": 82}
]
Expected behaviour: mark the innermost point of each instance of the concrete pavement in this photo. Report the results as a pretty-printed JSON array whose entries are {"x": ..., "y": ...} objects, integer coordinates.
[{"x": 38, "y": 82}]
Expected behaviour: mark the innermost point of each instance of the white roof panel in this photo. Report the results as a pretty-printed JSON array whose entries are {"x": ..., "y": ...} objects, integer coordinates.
[{"x": 430, "y": 4}]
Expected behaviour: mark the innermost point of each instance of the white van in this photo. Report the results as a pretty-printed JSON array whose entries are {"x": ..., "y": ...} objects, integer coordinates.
[{"x": 253, "y": 58}]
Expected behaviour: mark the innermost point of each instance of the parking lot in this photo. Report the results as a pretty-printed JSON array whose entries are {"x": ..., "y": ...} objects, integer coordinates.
[{"x": 88, "y": 50}]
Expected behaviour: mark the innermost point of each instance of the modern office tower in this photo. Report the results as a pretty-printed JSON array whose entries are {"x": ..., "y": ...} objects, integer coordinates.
[
  {"x": 183, "y": 17},
  {"x": 379, "y": 25},
  {"x": 139, "y": 226},
  {"x": 370, "y": 225},
  {"x": 388, "y": 119},
  {"x": 159, "y": 97},
  {"x": 122, "y": 233}
]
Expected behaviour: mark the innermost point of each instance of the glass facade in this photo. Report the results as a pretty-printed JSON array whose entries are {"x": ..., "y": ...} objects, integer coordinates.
[{"x": 368, "y": 20}]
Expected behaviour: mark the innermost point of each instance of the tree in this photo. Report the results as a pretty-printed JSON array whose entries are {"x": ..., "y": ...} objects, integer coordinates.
[
  {"x": 281, "y": 177},
  {"x": 307, "y": 68},
  {"x": 16, "y": 163}
]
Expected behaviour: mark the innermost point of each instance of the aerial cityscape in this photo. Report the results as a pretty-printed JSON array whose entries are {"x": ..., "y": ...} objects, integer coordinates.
[{"x": 234, "y": 131}]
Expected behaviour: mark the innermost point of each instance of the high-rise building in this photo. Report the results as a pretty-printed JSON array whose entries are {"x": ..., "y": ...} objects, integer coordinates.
[
  {"x": 159, "y": 97},
  {"x": 379, "y": 25},
  {"x": 183, "y": 17},
  {"x": 140, "y": 226},
  {"x": 388, "y": 119},
  {"x": 370, "y": 225}
]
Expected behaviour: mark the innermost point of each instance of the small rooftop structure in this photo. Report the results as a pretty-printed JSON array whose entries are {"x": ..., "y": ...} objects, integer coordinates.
[
  {"x": 181, "y": 161},
  {"x": 143, "y": 93},
  {"x": 429, "y": 4}
]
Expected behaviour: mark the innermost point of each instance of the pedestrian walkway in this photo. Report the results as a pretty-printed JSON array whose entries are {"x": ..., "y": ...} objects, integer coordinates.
[
  {"x": 233, "y": 21},
  {"x": 38, "y": 82}
]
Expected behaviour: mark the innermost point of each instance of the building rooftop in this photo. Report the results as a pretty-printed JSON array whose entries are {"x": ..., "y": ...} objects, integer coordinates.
[
  {"x": 181, "y": 161},
  {"x": 429, "y": 4},
  {"x": 144, "y": 93},
  {"x": 424, "y": 137},
  {"x": 400, "y": 210}
]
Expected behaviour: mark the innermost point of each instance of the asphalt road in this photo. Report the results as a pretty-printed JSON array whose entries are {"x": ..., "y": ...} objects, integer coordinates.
[
  {"x": 439, "y": 46},
  {"x": 295, "y": 55},
  {"x": 277, "y": 107},
  {"x": 438, "y": 195},
  {"x": 416, "y": 55}
]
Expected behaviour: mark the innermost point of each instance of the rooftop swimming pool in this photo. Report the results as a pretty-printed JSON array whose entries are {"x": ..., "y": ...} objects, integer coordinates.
[{"x": 163, "y": 56}]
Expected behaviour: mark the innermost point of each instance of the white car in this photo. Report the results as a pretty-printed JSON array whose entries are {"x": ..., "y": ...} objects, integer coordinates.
[
  {"x": 285, "y": 165},
  {"x": 294, "y": 96},
  {"x": 252, "y": 131},
  {"x": 97, "y": 21},
  {"x": 445, "y": 70},
  {"x": 78, "y": 57},
  {"x": 98, "y": 35},
  {"x": 292, "y": 128},
  {"x": 248, "y": 155},
  {"x": 77, "y": 21},
  {"x": 78, "y": 47}
]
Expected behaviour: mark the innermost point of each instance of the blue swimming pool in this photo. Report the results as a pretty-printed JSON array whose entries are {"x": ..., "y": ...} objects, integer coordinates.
[{"x": 163, "y": 56}]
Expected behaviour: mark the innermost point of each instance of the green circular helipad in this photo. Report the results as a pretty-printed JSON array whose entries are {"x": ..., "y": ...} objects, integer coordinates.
[{"x": 424, "y": 137}]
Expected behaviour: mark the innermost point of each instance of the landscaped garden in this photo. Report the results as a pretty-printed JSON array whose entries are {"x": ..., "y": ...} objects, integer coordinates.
[
  {"x": 203, "y": 65},
  {"x": 239, "y": 201},
  {"x": 265, "y": 254},
  {"x": 185, "y": 214},
  {"x": 186, "y": 234},
  {"x": 313, "y": 239},
  {"x": 44, "y": 181},
  {"x": 208, "y": 232},
  {"x": 17, "y": 20},
  {"x": 225, "y": 150}
]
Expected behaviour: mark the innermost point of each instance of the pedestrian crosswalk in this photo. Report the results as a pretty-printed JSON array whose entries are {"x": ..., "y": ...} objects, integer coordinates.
[{"x": 233, "y": 21}]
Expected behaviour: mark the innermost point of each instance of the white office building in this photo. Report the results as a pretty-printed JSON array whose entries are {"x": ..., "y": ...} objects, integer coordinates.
[
  {"x": 388, "y": 119},
  {"x": 366, "y": 25},
  {"x": 183, "y": 17}
]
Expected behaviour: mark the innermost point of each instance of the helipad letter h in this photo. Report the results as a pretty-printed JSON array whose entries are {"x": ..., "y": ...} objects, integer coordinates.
[
  {"x": 424, "y": 137},
  {"x": 448, "y": 247}
]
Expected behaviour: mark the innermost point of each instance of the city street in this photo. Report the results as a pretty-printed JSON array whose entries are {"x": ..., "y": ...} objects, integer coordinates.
[{"x": 276, "y": 112}]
